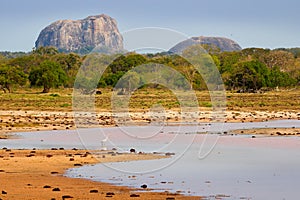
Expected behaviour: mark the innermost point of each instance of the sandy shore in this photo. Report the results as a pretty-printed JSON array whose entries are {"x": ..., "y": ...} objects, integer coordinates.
[
  {"x": 34, "y": 174},
  {"x": 38, "y": 174},
  {"x": 16, "y": 121},
  {"x": 270, "y": 131}
]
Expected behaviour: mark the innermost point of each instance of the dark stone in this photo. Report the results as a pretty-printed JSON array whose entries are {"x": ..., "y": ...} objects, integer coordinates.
[
  {"x": 67, "y": 197},
  {"x": 4, "y": 192},
  {"x": 132, "y": 150},
  {"x": 56, "y": 190},
  {"x": 144, "y": 186},
  {"x": 134, "y": 195},
  {"x": 47, "y": 186},
  {"x": 170, "y": 154}
]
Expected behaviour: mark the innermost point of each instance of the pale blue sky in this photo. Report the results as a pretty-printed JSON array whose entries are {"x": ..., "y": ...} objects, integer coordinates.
[{"x": 259, "y": 23}]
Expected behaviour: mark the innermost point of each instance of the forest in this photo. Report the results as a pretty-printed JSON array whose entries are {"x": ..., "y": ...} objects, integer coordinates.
[{"x": 248, "y": 70}]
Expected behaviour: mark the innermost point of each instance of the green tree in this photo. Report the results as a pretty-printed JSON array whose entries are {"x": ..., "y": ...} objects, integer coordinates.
[
  {"x": 249, "y": 76},
  {"x": 45, "y": 51},
  {"x": 26, "y": 61},
  {"x": 70, "y": 63},
  {"x": 48, "y": 74},
  {"x": 11, "y": 75},
  {"x": 125, "y": 63},
  {"x": 280, "y": 79}
]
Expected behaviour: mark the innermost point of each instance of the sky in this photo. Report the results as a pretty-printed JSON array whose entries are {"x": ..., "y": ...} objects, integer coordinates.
[{"x": 251, "y": 23}]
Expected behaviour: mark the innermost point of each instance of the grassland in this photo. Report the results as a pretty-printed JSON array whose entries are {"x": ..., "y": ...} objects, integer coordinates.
[
  {"x": 30, "y": 110},
  {"x": 61, "y": 100}
]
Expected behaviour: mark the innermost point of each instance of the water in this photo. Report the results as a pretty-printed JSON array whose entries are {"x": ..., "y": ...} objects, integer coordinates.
[{"x": 235, "y": 167}]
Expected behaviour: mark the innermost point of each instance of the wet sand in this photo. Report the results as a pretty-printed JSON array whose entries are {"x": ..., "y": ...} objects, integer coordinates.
[{"x": 38, "y": 174}]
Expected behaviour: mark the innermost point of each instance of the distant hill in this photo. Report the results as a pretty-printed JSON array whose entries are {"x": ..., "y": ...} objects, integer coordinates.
[
  {"x": 224, "y": 44},
  {"x": 82, "y": 35},
  {"x": 9, "y": 54}
]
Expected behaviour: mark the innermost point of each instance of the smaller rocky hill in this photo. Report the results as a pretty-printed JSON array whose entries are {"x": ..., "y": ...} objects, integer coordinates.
[{"x": 224, "y": 44}]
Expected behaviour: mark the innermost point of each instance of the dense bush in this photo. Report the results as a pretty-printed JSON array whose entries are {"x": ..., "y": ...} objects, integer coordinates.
[{"x": 247, "y": 70}]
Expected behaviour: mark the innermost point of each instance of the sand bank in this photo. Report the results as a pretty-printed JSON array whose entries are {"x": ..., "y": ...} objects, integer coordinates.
[{"x": 38, "y": 174}]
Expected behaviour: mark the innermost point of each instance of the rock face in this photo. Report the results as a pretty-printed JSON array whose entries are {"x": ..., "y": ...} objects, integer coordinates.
[
  {"x": 224, "y": 44},
  {"x": 99, "y": 31}
]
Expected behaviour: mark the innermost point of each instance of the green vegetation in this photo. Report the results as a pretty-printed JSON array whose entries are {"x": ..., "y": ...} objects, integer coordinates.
[
  {"x": 11, "y": 75},
  {"x": 48, "y": 74},
  {"x": 254, "y": 69},
  {"x": 249, "y": 70}
]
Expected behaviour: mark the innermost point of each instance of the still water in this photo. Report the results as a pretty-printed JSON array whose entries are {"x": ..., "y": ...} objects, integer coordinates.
[{"x": 234, "y": 167}]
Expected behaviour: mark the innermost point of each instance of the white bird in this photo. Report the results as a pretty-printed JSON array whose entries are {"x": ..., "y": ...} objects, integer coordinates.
[
  {"x": 105, "y": 139},
  {"x": 103, "y": 147}
]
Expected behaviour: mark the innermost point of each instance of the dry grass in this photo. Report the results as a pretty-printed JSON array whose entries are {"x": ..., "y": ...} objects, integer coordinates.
[{"x": 61, "y": 100}]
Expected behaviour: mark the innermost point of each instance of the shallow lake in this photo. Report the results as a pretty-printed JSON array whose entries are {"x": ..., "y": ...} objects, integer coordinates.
[{"x": 233, "y": 166}]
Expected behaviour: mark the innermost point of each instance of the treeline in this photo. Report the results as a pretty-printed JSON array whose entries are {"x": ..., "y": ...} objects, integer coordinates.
[
  {"x": 248, "y": 70},
  {"x": 253, "y": 69}
]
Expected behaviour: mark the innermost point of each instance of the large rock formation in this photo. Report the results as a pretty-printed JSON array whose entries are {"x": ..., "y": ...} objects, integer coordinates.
[
  {"x": 99, "y": 31},
  {"x": 224, "y": 44}
]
